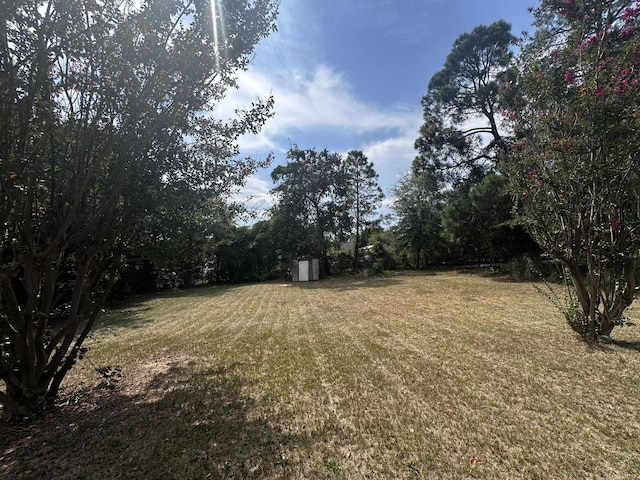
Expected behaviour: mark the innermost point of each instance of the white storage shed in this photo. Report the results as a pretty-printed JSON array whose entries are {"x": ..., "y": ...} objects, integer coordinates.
[{"x": 306, "y": 269}]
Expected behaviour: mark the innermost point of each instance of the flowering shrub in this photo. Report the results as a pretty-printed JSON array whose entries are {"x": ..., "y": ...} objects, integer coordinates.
[{"x": 573, "y": 165}]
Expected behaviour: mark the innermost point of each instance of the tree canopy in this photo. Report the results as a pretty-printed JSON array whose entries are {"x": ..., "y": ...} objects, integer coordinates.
[
  {"x": 102, "y": 120},
  {"x": 461, "y": 130},
  {"x": 362, "y": 197},
  {"x": 457, "y": 153},
  {"x": 308, "y": 209},
  {"x": 418, "y": 204}
]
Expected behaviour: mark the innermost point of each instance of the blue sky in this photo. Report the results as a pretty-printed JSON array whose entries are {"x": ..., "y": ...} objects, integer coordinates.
[{"x": 349, "y": 75}]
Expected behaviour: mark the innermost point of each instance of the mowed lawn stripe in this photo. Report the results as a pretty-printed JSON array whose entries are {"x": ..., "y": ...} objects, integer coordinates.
[{"x": 435, "y": 375}]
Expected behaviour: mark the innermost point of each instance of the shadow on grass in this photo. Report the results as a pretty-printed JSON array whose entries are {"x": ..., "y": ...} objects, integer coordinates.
[
  {"x": 133, "y": 312},
  {"x": 183, "y": 423},
  {"x": 125, "y": 318},
  {"x": 627, "y": 345},
  {"x": 211, "y": 291},
  {"x": 492, "y": 273}
]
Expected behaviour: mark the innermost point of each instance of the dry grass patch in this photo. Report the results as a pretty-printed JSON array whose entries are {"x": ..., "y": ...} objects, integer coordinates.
[{"x": 442, "y": 375}]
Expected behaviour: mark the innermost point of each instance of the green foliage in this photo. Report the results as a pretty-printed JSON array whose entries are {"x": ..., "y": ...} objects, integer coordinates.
[
  {"x": 417, "y": 205},
  {"x": 333, "y": 466},
  {"x": 465, "y": 92},
  {"x": 383, "y": 256},
  {"x": 529, "y": 268},
  {"x": 246, "y": 254},
  {"x": 104, "y": 143},
  {"x": 467, "y": 218},
  {"x": 308, "y": 212},
  {"x": 362, "y": 197},
  {"x": 323, "y": 198},
  {"x": 574, "y": 166},
  {"x": 341, "y": 262},
  {"x": 477, "y": 223}
]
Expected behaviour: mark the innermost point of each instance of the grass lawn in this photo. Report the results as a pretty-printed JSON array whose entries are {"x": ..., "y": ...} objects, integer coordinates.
[{"x": 440, "y": 375}]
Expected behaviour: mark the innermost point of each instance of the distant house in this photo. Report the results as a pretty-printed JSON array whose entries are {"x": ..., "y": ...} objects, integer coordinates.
[{"x": 306, "y": 269}]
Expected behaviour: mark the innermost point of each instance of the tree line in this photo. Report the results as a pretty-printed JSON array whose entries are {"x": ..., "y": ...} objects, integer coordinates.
[{"x": 328, "y": 207}]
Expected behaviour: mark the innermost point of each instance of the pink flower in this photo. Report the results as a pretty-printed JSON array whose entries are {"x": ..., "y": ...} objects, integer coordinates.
[
  {"x": 626, "y": 32},
  {"x": 630, "y": 14},
  {"x": 570, "y": 77},
  {"x": 554, "y": 56},
  {"x": 620, "y": 89},
  {"x": 599, "y": 92},
  {"x": 532, "y": 174},
  {"x": 587, "y": 43}
]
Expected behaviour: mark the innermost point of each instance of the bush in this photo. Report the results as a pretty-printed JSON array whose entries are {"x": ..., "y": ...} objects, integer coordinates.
[{"x": 341, "y": 262}]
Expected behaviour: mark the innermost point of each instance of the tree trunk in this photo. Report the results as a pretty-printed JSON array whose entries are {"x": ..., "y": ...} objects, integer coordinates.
[
  {"x": 356, "y": 251},
  {"x": 36, "y": 367}
]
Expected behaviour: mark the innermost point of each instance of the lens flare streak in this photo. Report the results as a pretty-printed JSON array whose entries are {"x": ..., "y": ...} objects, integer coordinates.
[{"x": 219, "y": 35}]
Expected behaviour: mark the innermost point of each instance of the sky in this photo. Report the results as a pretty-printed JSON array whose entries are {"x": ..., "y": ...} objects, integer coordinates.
[{"x": 350, "y": 74}]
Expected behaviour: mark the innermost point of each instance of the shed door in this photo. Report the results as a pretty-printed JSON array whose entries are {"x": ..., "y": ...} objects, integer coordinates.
[{"x": 303, "y": 270}]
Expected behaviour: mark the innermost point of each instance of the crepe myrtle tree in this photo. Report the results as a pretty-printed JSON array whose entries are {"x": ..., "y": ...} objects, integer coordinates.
[
  {"x": 102, "y": 116},
  {"x": 574, "y": 166}
]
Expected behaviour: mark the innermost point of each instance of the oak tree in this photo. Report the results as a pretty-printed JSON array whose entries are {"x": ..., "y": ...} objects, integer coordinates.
[{"x": 308, "y": 214}]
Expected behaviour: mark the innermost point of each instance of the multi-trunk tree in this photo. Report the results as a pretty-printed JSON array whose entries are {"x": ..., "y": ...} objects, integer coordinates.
[
  {"x": 574, "y": 166},
  {"x": 101, "y": 122}
]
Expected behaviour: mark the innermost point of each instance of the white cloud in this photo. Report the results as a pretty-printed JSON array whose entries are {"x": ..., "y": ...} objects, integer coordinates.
[
  {"x": 320, "y": 100},
  {"x": 393, "y": 156},
  {"x": 255, "y": 196},
  {"x": 313, "y": 100}
]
